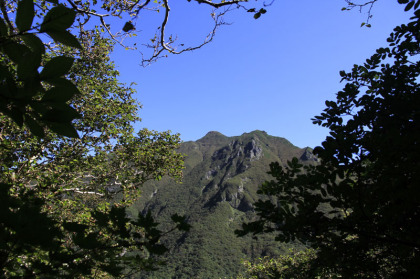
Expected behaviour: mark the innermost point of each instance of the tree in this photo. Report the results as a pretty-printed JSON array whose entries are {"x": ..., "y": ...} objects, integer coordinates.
[
  {"x": 296, "y": 264},
  {"x": 71, "y": 161},
  {"x": 24, "y": 50},
  {"x": 359, "y": 207}
]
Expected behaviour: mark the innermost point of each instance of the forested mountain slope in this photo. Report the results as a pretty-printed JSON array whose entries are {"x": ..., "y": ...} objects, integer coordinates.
[{"x": 221, "y": 178}]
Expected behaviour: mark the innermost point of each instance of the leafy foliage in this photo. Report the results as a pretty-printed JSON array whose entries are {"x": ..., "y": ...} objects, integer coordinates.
[
  {"x": 34, "y": 244},
  {"x": 295, "y": 264},
  {"x": 360, "y": 207},
  {"x": 65, "y": 191},
  {"x": 220, "y": 181},
  {"x": 28, "y": 96}
]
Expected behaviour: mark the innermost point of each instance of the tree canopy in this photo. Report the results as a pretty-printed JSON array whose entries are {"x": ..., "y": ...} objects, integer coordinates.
[
  {"x": 71, "y": 161},
  {"x": 359, "y": 207}
]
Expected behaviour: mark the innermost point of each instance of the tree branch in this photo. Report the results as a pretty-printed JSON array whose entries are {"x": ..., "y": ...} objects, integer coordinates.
[
  {"x": 161, "y": 45},
  {"x": 351, "y": 6},
  {"x": 220, "y": 4},
  {"x": 82, "y": 11},
  {"x": 80, "y": 191},
  {"x": 5, "y": 15}
]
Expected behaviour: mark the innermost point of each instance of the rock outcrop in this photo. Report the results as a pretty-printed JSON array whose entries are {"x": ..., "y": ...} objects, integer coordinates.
[{"x": 220, "y": 185}]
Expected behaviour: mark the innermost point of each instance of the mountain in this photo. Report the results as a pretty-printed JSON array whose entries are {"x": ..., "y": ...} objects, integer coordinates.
[{"x": 221, "y": 178}]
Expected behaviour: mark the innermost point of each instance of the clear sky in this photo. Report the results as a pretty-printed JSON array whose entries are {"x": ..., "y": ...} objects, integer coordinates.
[{"x": 272, "y": 74}]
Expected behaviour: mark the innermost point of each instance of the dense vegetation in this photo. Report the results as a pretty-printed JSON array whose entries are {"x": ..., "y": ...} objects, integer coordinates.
[
  {"x": 359, "y": 208},
  {"x": 72, "y": 163},
  {"x": 220, "y": 182},
  {"x": 294, "y": 264}
]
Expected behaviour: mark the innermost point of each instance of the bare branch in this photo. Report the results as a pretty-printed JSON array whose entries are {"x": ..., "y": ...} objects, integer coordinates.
[
  {"x": 161, "y": 45},
  {"x": 351, "y": 5},
  {"x": 110, "y": 33},
  {"x": 220, "y": 4},
  {"x": 5, "y": 15},
  {"x": 82, "y": 11},
  {"x": 140, "y": 7},
  {"x": 80, "y": 191}
]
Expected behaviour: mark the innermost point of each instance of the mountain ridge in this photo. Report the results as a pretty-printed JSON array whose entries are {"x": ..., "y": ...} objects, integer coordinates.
[{"x": 221, "y": 178}]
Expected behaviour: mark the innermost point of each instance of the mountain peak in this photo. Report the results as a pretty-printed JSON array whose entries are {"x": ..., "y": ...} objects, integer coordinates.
[
  {"x": 220, "y": 186},
  {"x": 212, "y": 136},
  {"x": 256, "y": 133}
]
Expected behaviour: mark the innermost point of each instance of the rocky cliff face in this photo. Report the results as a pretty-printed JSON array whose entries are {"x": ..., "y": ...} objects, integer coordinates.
[
  {"x": 221, "y": 178},
  {"x": 229, "y": 162}
]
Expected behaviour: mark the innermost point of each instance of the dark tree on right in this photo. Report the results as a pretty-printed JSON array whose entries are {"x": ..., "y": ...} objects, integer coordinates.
[{"x": 359, "y": 208}]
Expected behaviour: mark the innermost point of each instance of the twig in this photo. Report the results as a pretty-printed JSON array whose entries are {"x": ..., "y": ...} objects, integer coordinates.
[{"x": 5, "y": 15}]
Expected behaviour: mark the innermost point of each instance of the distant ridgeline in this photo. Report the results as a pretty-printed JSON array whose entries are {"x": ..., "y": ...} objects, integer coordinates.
[{"x": 221, "y": 178}]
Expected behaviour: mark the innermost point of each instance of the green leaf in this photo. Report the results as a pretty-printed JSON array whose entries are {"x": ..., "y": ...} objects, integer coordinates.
[
  {"x": 101, "y": 219},
  {"x": 60, "y": 94},
  {"x": 28, "y": 65},
  {"x": 32, "y": 86},
  {"x": 89, "y": 241},
  {"x": 15, "y": 114},
  {"x": 409, "y": 6},
  {"x": 34, "y": 43},
  {"x": 58, "y": 18},
  {"x": 14, "y": 50},
  {"x": 62, "y": 82},
  {"x": 39, "y": 107},
  {"x": 5, "y": 73},
  {"x": 128, "y": 26},
  {"x": 63, "y": 129},
  {"x": 8, "y": 83},
  {"x": 60, "y": 113},
  {"x": 25, "y": 15},
  {"x": 74, "y": 227},
  {"x": 57, "y": 67},
  {"x": 34, "y": 127},
  {"x": 64, "y": 37}
]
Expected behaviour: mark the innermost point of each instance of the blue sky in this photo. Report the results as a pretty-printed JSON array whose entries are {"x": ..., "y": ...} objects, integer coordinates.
[{"x": 272, "y": 74}]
